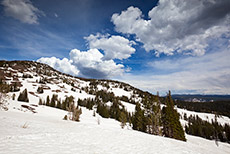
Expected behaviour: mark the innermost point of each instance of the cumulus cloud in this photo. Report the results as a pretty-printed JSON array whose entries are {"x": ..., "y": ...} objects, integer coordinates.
[
  {"x": 177, "y": 25},
  {"x": 86, "y": 64},
  {"x": 91, "y": 64},
  {"x": 22, "y": 10},
  {"x": 114, "y": 47},
  {"x": 199, "y": 75},
  {"x": 62, "y": 65}
]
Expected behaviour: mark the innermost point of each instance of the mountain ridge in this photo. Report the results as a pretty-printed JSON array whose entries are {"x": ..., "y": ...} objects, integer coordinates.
[{"x": 25, "y": 63}]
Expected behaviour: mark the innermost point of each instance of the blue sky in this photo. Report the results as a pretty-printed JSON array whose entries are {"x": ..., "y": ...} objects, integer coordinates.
[{"x": 177, "y": 45}]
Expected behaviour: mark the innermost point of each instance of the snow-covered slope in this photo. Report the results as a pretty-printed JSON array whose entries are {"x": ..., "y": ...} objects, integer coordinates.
[
  {"x": 205, "y": 116},
  {"x": 46, "y": 132}
]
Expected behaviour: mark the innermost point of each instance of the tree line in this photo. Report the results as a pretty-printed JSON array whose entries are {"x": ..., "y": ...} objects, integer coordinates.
[
  {"x": 219, "y": 107},
  {"x": 209, "y": 130},
  {"x": 148, "y": 116}
]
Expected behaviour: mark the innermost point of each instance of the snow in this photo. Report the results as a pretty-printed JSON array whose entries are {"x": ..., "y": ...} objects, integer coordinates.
[
  {"x": 100, "y": 87},
  {"x": 31, "y": 86},
  {"x": 46, "y": 132},
  {"x": 129, "y": 107},
  {"x": 109, "y": 103},
  {"x": 120, "y": 92},
  {"x": 205, "y": 116},
  {"x": 23, "y": 131}
]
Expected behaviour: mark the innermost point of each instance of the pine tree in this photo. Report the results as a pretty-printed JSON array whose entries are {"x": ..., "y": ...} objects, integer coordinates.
[
  {"x": 171, "y": 125},
  {"x": 48, "y": 101},
  {"x": 13, "y": 96},
  {"x": 157, "y": 116},
  {"x": 63, "y": 105},
  {"x": 115, "y": 110},
  {"x": 40, "y": 90},
  {"x": 23, "y": 96},
  {"x": 67, "y": 102},
  {"x": 59, "y": 106},
  {"x": 139, "y": 121},
  {"x": 123, "y": 119},
  {"x": 40, "y": 101},
  {"x": 53, "y": 100}
]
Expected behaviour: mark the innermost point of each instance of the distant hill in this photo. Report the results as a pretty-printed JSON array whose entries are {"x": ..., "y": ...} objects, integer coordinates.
[
  {"x": 219, "y": 104},
  {"x": 202, "y": 98}
]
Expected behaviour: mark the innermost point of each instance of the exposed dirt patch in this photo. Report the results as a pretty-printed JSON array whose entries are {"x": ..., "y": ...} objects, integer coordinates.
[{"x": 57, "y": 91}]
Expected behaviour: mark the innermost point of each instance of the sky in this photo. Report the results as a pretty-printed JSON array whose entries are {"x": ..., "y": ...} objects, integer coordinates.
[{"x": 177, "y": 45}]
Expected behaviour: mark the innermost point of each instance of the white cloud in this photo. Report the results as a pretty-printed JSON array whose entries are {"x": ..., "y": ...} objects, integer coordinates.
[
  {"x": 22, "y": 10},
  {"x": 204, "y": 75},
  {"x": 62, "y": 65},
  {"x": 177, "y": 25},
  {"x": 86, "y": 64},
  {"x": 91, "y": 64},
  {"x": 114, "y": 47}
]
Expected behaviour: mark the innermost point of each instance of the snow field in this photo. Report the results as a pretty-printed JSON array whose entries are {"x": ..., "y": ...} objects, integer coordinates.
[{"x": 46, "y": 132}]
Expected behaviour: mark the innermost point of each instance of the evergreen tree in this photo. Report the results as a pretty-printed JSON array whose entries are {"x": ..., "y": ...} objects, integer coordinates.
[
  {"x": 68, "y": 100},
  {"x": 59, "y": 106},
  {"x": 40, "y": 90},
  {"x": 40, "y": 101},
  {"x": 13, "y": 97},
  {"x": 123, "y": 119},
  {"x": 48, "y": 101},
  {"x": 102, "y": 110},
  {"x": 157, "y": 116},
  {"x": 139, "y": 120},
  {"x": 23, "y": 96},
  {"x": 64, "y": 105},
  {"x": 53, "y": 100},
  {"x": 227, "y": 132},
  {"x": 198, "y": 127},
  {"x": 171, "y": 125},
  {"x": 115, "y": 110}
]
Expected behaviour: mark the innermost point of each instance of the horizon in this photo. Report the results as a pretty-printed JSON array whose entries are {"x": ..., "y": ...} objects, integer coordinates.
[{"x": 150, "y": 44}]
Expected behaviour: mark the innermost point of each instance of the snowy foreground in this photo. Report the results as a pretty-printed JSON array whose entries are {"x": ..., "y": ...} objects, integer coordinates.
[{"x": 45, "y": 132}]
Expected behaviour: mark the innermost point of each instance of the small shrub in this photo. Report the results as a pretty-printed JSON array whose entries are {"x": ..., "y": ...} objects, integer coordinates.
[
  {"x": 26, "y": 75},
  {"x": 40, "y": 90},
  {"x": 13, "y": 97},
  {"x": 74, "y": 112},
  {"x": 65, "y": 117},
  {"x": 40, "y": 101}
]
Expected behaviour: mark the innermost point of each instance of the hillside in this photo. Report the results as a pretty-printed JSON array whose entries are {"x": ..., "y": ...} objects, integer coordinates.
[
  {"x": 46, "y": 132},
  {"x": 106, "y": 106}
]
